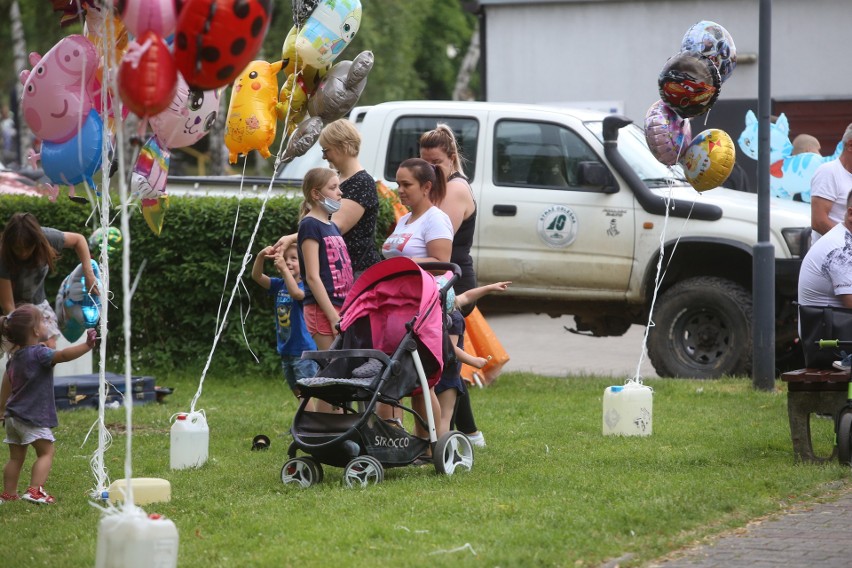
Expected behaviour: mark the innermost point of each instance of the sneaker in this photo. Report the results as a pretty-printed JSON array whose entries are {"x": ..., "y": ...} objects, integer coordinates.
[
  {"x": 38, "y": 495},
  {"x": 477, "y": 439},
  {"x": 845, "y": 364},
  {"x": 8, "y": 497}
]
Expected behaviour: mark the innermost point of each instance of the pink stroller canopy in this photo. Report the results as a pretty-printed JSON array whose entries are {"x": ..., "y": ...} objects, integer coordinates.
[{"x": 391, "y": 293}]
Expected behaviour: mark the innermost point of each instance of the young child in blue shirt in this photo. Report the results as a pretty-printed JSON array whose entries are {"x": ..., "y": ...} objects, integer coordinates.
[{"x": 290, "y": 330}]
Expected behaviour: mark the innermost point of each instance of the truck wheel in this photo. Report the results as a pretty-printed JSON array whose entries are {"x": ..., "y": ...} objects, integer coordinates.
[{"x": 702, "y": 330}]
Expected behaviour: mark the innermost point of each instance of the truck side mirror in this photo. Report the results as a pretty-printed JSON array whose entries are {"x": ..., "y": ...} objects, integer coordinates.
[{"x": 596, "y": 174}]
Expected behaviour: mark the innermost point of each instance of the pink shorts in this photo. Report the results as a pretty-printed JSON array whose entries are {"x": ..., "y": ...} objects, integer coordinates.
[{"x": 316, "y": 322}]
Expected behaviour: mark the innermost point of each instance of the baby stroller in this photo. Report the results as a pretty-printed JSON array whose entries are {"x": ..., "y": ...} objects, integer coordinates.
[{"x": 392, "y": 341}]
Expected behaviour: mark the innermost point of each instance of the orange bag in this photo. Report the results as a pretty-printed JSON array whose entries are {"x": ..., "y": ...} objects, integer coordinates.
[{"x": 480, "y": 341}]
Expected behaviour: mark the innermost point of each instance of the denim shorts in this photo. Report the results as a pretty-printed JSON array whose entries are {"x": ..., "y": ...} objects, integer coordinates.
[
  {"x": 23, "y": 433},
  {"x": 296, "y": 368}
]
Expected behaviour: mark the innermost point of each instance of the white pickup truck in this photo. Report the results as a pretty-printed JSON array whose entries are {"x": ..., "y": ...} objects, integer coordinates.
[{"x": 572, "y": 209}]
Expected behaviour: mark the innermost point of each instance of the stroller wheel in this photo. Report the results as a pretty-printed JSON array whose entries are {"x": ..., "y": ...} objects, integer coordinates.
[
  {"x": 363, "y": 471},
  {"x": 304, "y": 471},
  {"x": 453, "y": 451},
  {"x": 844, "y": 438}
]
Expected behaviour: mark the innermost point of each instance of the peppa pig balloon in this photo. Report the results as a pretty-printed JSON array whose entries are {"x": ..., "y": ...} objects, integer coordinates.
[
  {"x": 216, "y": 39},
  {"x": 189, "y": 117},
  {"x": 140, "y": 16},
  {"x": 58, "y": 90},
  {"x": 76, "y": 160}
]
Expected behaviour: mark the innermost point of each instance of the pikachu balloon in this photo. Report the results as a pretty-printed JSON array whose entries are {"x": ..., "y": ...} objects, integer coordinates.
[{"x": 252, "y": 117}]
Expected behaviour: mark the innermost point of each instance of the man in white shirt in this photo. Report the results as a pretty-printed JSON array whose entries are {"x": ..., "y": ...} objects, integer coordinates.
[
  {"x": 825, "y": 278},
  {"x": 830, "y": 185}
]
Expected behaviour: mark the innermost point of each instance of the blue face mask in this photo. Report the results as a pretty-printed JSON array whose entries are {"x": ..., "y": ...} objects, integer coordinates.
[{"x": 330, "y": 205}]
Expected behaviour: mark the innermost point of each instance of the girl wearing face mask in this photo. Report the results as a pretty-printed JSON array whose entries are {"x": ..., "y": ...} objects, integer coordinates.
[{"x": 323, "y": 258}]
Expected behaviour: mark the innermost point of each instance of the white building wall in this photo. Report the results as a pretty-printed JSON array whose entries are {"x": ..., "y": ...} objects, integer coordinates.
[{"x": 611, "y": 50}]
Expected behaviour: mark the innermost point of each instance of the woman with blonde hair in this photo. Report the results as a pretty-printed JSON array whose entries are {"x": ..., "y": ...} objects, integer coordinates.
[{"x": 359, "y": 211}]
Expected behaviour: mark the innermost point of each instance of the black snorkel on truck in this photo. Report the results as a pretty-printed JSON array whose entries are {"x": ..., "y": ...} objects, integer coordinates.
[{"x": 650, "y": 201}]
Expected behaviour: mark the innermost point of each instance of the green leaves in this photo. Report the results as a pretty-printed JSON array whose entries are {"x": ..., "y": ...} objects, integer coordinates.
[{"x": 187, "y": 279}]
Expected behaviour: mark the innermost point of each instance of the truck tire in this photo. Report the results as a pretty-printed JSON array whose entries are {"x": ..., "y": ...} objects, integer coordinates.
[{"x": 702, "y": 330}]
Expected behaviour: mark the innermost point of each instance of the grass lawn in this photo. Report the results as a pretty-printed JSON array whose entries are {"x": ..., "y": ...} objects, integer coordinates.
[{"x": 549, "y": 490}]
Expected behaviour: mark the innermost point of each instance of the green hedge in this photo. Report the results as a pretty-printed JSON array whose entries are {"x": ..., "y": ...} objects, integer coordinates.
[{"x": 174, "y": 308}]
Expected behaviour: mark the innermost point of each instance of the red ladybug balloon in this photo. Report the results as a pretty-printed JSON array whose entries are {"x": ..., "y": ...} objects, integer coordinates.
[
  {"x": 216, "y": 39},
  {"x": 147, "y": 78}
]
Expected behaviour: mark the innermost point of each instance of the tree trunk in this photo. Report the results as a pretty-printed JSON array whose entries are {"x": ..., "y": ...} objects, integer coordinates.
[
  {"x": 19, "y": 49},
  {"x": 468, "y": 66}
]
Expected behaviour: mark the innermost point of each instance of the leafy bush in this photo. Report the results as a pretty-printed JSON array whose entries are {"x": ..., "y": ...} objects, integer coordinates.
[{"x": 182, "y": 290}]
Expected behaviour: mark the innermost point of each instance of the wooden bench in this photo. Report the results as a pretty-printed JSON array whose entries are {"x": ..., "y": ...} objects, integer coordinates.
[{"x": 813, "y": 391}]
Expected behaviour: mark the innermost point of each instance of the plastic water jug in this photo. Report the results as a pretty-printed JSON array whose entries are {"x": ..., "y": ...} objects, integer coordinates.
[
  {"x": 132, "y": 539},
  {"x": 628, "y": 410},
  {"x": 190, "y": 440},
  {"x": 145, "y": 490}
]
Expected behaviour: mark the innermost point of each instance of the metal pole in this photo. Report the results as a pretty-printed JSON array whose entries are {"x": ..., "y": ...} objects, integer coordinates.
[{"x": 763, "y": 279}]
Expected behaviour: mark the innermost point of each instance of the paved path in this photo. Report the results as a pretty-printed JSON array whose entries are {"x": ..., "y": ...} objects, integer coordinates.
[{"x": 814, "y": 536}]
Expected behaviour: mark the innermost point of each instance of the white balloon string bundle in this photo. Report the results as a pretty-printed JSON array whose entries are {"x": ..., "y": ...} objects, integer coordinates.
[
  {"x": 126, "y": 298},
  {"x": 109, "y": 95},
  {"x": 228, "y": 270},
  {"x": 247, "y": 256},
  {"x": 231, "y": 246},
  {"x": 102, "y": 206},
  {"x": 658, "y": 278}
]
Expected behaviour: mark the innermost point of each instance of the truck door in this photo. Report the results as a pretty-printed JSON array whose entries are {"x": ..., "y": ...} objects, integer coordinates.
[{"x": 538, "y": 225}]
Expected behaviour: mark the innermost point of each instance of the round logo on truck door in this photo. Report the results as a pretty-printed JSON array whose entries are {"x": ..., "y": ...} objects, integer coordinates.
[{"x": 557, "y": 226}]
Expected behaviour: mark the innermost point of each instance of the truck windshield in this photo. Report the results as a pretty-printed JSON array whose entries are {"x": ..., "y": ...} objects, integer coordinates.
[{"x": 634, "y": 149}]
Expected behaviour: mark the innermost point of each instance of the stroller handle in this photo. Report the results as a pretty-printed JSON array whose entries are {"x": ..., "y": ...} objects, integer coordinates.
[{"x": 443, "y": 267}]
